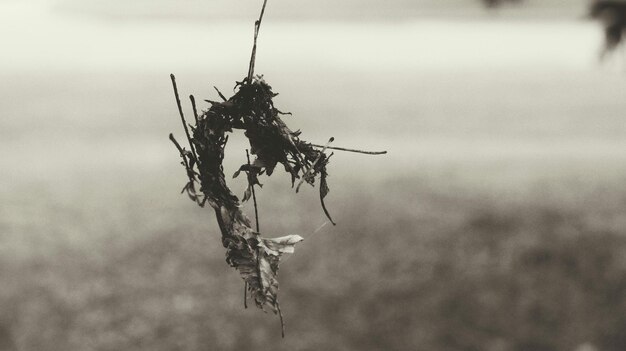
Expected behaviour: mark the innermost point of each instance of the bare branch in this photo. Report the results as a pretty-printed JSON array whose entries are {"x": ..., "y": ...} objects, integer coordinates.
[
  {"x": 182, "y": 117},
  {"x": 180, "y": 149},
  {"x": 256, "y": 218},
  {"x": 256, "y": 211},
  {"x": 195, "y": 111},
  {"x": 257, "y": 26},
  {"x": 350, "y": 150},
  {"x": 220, "y": 93},
  {"x": 282, "y": 322}
]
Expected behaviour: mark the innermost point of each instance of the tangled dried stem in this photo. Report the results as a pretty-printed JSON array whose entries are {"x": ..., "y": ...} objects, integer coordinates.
[{"x": 252, "y": 110}]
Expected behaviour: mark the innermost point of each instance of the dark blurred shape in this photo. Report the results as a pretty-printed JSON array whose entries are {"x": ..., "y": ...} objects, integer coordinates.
[
  {"x": 496, "y": 3},
  {"x": 612, "y": 15}
]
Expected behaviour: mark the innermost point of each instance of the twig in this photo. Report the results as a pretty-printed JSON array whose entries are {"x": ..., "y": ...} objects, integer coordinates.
[
  {"x": 220, "y": 93},
  {"x": 282, "y": 323},
  {"x": 257, "y": 26},
  {"x": 195, "y": 111},
  {"x": 256, "y": 218},
  {"x": 256, "y": 211},
  {"x": 180, "y": 150},
  {"x": 191, "y": 174},
  {"x": 182, "y": 117},
  {"x": 351, "y": 150}
]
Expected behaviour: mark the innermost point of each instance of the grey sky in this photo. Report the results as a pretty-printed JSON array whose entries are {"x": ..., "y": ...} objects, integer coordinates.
[{"x": 308, "y": 9}]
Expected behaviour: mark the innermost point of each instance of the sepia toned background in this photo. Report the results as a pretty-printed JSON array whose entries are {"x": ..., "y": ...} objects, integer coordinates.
[{"x": 496, "y": 222}]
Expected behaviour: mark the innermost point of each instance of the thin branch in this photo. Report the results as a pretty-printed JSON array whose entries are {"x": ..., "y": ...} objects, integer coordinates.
[
  {"x": 180, "y": 150},
  {"x": 257, "y": 26},
  {"x": 212, "y": 102},
  {"x": 195, "y": 111},
  {"x": 190, "y": 171},
  {"x": 220, "y": 93},
  {"x": 182, "y": 117},
  {"x": 282, "y": 322},
  {"x": 256, "y": 211},
  {"x": 256, "y": 218},
  {"x": 191, "y": 174},
  {"x": 351, "y": 150}
]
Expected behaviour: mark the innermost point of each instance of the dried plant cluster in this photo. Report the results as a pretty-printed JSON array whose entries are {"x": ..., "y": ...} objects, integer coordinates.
[{"x": 251, "y": 109}]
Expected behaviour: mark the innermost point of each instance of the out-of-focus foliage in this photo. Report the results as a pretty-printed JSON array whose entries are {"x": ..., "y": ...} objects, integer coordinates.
[{"x": 612, "y": 16}]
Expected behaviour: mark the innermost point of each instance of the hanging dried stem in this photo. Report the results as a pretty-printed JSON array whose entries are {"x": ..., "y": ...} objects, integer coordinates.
[
  {"x": 256, "y": 217},
  {"x": 252, "y": 110}
]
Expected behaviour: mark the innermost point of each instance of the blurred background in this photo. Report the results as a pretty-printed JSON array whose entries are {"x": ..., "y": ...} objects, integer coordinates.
[{"x": 496, "y": 222}]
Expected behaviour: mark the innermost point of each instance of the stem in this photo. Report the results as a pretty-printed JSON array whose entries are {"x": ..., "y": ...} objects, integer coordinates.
[
  {"x": 220, "y": 93},
  {"x": 351, "y": 150},
  {"x": 282, "y": 322},
  {"x": 257, "y": 26},
  {"x": 256, "y": 211},
  {"x": 180, "y": 150},
  {"x": 245, "y": 294},
  {"x": 182, "y": 117},
  {"x": 256, "y": 218},
  {"x": 195, "y": 111},
  {"x": 326, "y": 210}
]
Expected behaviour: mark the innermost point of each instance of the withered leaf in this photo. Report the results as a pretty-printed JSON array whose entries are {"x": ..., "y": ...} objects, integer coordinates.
[
  {"x": 281, "y": 245},
  {"x": 247, "y": 194}
]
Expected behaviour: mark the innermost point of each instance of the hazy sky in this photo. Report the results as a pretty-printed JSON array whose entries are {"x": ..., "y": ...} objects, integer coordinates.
[
  {"x": 307, "y": 9},
  {"x": 41, "y": 35}
]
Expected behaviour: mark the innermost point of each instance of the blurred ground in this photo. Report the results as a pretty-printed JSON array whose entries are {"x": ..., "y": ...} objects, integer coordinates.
[{"x": 496, "y": 222}]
